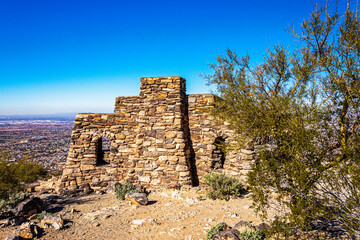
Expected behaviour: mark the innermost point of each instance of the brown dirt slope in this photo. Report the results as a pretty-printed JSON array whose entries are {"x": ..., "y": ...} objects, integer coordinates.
[{"x": 171, "y": 214}]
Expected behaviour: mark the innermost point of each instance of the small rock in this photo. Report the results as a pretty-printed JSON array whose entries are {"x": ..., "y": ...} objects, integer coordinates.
[
  {"x": 25, "y": 231},
  {"x": 42, "y": 225},
  {"x": 139, "y": 221},
  {"x": 54, "y": 221},
  {"x": 262, "y": 226},
  {"x": 96, "y": 224},
  {"x": 176, "y": 229},
  {"x": 73, "y": 210},
  {"x": 137, "y": 198},
  {"x": 86, "y": 189},
  {"x": 99, "y": 192},
  {"x": 14, "y": 237},
  {"x": 234, "y": 215},
  {"x": 240, "y": 224},
  {"x": 189, "y": 200},
  {"x": 57, "y": 225},
  {"x": 176, "y": 195}
]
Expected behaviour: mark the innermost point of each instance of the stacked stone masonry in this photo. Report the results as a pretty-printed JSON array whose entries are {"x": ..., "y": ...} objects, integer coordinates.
[{"x": 162, "y": 137}]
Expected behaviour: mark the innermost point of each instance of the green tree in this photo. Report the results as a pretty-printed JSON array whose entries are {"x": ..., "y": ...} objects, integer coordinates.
[
  {"x": 13, "y": 175},
  {"x": 302, "y": 111}
]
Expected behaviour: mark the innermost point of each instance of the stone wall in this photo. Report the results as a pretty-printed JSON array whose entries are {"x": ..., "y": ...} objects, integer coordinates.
[
  {"x": 206, "y": 134},
  {"x": 160, "y": 138}
]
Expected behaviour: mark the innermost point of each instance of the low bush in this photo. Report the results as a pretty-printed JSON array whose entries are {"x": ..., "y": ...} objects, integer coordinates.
[
  {"x": 14, "y": 174},
  {"x": 122, "y": 189},
  {"x": 7, "y": 204},
  {"x": 223, "y": 187},
  {"x": 41, "y": 215},
  {"x": 252, "y": 234},
  {"x": 215, "y": 230}
]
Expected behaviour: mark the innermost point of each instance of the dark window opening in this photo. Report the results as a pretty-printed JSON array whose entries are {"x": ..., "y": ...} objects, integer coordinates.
[
  {"x": 103, "y": 151},
  {"x": 218, "y": 155}
]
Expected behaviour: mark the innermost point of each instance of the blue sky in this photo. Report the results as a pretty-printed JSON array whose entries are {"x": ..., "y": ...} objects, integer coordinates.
[{"x": 77, "y": 56}]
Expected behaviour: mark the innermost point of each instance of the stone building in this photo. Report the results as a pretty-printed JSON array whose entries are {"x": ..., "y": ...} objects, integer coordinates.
[{"x": 162, "y": 137}]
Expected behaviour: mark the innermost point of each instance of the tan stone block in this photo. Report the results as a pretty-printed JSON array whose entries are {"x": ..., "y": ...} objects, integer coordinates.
[
  {"x": 177, "y": 121},
  {"x": 173, "y": 158},
  {"x": 87, "y": 167},
  {"x": 76, "y": 174},
  {"x": 144, "y": 179},
  {"x": 155, "y": 182},
  {"x": 181, "y": 168},
  {"x": 120, "y": 136},
  {"x": 68, "y": 171},
  {"x": 162, "y": 95},
  {"x": 170, "y": 146},
  {"x": 170, "y": 135},
  {"x": 160, "y": 109}
]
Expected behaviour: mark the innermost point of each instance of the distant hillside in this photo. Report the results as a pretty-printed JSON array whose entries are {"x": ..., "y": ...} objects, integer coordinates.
[{"x": 53, "y": 116}]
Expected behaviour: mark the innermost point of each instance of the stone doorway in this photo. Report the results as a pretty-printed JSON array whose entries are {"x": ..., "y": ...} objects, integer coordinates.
[
  {"x": 218, "y": 154},
  {"x": 102, "y": 151}
]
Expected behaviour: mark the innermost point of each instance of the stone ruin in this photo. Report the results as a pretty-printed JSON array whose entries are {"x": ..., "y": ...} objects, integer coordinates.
[{"x": 162, "y": 137}]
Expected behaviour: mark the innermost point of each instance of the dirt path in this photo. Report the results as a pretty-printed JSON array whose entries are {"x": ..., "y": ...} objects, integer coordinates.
[{"x": 171, "y": 214}]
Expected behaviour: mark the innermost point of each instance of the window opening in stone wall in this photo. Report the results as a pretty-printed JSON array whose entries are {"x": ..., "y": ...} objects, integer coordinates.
[
  {"x": 103, "y": 151},
  {"x": 218, "y": 154}
]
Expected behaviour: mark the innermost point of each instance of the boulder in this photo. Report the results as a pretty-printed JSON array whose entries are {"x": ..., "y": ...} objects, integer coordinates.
[
  {"x": 230, "y": 234},
  {"x": 25, "y": 231},
  {"x": 137, "y": 198},
  {"x": 54, "y": 221},
  {"x": 263, "y": 227},
  {"x": 6, "y": 214},
  {"x": 28, "y": 230},
  {"x": 30, "y": 207}
]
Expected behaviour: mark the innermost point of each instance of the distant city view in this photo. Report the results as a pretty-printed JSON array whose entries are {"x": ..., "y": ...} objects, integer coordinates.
[{"x": 44, "y": 141}]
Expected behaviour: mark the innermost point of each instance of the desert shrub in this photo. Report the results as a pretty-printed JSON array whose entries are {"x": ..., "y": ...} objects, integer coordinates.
[
  {"x": 12, "y": 200},
  {"x": 13, "y": 175},
  {"x": 122, "y": 189},
  {"x": 252, "y": 234},
  {"x": 41, "y": 215},
  {"x": 223, "y": 187},
  {"x": 215, "y": 230},
  {"x": 301, "y": 109}
]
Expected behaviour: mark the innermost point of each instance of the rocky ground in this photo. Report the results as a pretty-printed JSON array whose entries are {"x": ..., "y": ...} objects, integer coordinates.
[{"x": 170, "y": 214}]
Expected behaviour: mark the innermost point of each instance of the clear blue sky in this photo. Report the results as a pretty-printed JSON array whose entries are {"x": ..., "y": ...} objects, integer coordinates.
[{"x": 77, "y": 56}]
